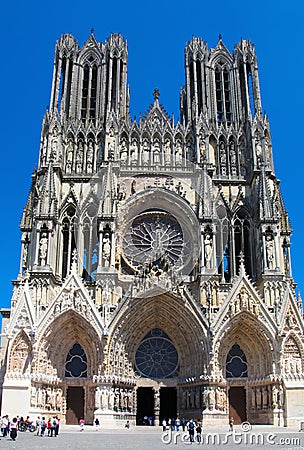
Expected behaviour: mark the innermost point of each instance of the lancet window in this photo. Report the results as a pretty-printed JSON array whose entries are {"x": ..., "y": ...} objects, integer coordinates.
[
  {"x": 68, "y": 239},
  {"x": 223, "y": 94},
  {"x": 89, "y": 91},
  {"x": 90, "y": 243}
]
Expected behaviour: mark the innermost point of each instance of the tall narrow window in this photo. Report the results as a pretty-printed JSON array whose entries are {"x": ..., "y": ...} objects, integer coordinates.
[
  {"x": 92, "y": 113},
  {"x": 85, "y": 92},
  {"x": 250, "y": 89},
  {"x": 223, "y": 94},
  {"x": 228, "y": 113},
  {"x": 68, "y": 240},
  {"x": 61, "y": 83},
  {"x": 219, "y": 95},
  {"x": 199, "y": 86},
  {"x": 114, "y": 82},
  {"x": 68, "y": 88},
  {"x": 90, "y": 244}
]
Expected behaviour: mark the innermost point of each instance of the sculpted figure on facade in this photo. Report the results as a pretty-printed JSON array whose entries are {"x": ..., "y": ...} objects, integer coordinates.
[
  {"x": 208, "y": 250},
  {"x": 134, "y": 151},
  {"x": 90, "y": 156},
  {"x": 123, "y": 152},
  {"x": 43, "y": 249},
  {"x": 79, "y": 157},
  {"x": 270, "y": 255}
]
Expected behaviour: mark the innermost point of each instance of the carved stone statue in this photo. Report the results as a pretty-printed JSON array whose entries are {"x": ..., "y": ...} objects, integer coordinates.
[
  {"x": 270, "y": 256},
  {"x": 43, "y": 247},
  {"x": 208, "y": 251}
]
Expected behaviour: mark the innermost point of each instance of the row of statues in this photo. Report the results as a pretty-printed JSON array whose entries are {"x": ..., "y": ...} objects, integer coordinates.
[
  {"x": 114, "y": 399},
  {"x": 210, "y": 398},
  {"x": 47, "y": 398},
  {"x": 265, "y": 397}
]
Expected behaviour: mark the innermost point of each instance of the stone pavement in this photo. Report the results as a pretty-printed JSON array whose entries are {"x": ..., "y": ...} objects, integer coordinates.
[{"x": 152, "y": 438}]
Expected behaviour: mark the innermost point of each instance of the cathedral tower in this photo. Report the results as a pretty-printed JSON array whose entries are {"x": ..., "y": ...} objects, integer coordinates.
[{"x": 155, "y": 273}]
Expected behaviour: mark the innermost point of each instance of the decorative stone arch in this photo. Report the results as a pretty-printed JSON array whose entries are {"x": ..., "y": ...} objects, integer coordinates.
[
  {"x": 58, "y": 338},
  {"x": 254, "y": 340},
  {"x": 20, "y": 354},
  {"x": 292, "y": 355},
  {"x": 168, "y": 313}
]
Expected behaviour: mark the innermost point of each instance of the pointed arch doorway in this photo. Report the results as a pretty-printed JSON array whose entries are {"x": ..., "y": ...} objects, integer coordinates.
[{"x": 75, "y": 405}]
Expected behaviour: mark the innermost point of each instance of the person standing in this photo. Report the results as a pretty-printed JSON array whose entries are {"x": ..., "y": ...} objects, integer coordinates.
[
  {"x": 164, "y": 424},
  {"x": 191, "y": 427},
  {"x": 57, "y": 426},
  {"x": 81, "y": 424},
  {"x": 96, "y": 424},
  {"x": 231, "y": 423},
  {"x": 13, "y": 428},
  {"x": 199, "y": 433},
  {"x": 43, "y": 425}
]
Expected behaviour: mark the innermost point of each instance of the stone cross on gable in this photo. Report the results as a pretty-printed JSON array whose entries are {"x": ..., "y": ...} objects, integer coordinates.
[{"x": 156, "y": 94}]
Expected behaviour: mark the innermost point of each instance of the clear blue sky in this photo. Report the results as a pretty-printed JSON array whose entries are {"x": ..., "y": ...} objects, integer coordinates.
[{"x": 156, "y": 33}]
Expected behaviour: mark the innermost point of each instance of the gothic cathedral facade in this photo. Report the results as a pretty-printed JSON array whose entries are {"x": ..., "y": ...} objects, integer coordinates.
[{"x": 155, "y": 274}]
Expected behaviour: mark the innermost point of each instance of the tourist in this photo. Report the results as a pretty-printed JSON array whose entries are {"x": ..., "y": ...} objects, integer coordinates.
[
  {"x": 38, "y": 423},
  {"x": 81, "y": 424},
  {"x": 5, "y": 425},
  {"x": 199, "y": 433},
  {"x": 43, "y": 426},
  {"x": 172, "y": 423},
  {"x": 49, "y": 427},
  {"x": 164, "y": 424},
  {"x": 177, "y": 423},
  {"x": 231, "y": 423},
  {"x": 191, "y": 427},
  {"x": 183, "y": 423},
  {"x": 13, "y": 428},
  {"x": 127, "y": 425},
  {"x": 96, "y": 424}
]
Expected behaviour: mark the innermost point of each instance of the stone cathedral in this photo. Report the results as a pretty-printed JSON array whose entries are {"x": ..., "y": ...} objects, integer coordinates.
[{"x": 155, "y": 273}]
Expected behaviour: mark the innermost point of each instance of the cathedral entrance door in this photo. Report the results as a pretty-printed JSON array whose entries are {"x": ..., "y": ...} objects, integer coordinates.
[
  {"x": 167, "y": 403},
  {"x": 237, "y": 404},
  {"x": 75, "y": 405},
  {"x": 145, "y": 405}
]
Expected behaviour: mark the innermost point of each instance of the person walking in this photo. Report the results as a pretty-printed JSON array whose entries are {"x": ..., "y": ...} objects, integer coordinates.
[
  {"x": 13, "y": 428},
  {"x": 198, "y": 433},
  {"x": 43, "y": 426},
  {"x": 96, "y": 424},
  {"x": 191, "y": 427},
  {"x": 81, "y": 424},
  {"x": 231, "y": 423}
]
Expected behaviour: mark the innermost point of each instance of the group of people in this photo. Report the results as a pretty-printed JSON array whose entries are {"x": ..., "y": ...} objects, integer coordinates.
[
  {"x": 10, "y": 428},
  {"x": 51, "y": 426},
  {"x": 183, "y": 424}
]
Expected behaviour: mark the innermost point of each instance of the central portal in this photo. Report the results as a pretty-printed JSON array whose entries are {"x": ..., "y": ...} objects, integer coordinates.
[
  {"x": 168, "y": 408},
  {"x": 145, "y": 406},
  {"x": 75, "y": 405}
]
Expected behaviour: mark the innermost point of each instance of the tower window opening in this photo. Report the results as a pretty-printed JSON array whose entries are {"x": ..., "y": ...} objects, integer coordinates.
[
  {"x": 199, "y": 86},
  {"x": 69, "y": 87},
  {"x": 85, "y": 92},
  {"x": 61, "y": 83},
  {"x": 92, "y": 113},
  {"x": 250, "y": 89}
]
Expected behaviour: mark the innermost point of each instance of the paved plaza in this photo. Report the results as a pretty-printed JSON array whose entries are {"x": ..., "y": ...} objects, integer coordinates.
[{"x": 142, "y": 438}]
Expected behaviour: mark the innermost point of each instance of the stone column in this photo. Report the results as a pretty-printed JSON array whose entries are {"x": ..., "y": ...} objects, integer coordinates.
[{"x": 156, "y": 406}]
